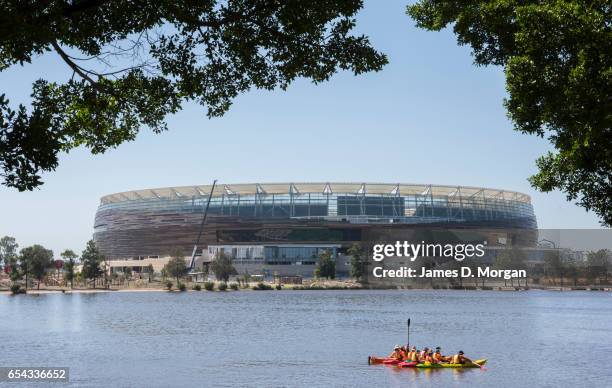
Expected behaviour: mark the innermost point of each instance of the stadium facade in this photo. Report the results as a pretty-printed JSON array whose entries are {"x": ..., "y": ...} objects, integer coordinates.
[{"x": 282, "y": 227}]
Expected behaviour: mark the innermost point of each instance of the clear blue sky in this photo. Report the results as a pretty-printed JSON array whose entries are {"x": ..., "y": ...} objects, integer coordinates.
[{"x": 430, "y": 116}]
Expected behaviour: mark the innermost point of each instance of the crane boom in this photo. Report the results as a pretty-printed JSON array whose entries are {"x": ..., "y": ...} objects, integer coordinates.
[{"x": 195, "y": 246}]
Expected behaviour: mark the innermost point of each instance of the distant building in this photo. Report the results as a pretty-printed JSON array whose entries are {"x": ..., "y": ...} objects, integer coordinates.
[{"x": 281, "y": 228}]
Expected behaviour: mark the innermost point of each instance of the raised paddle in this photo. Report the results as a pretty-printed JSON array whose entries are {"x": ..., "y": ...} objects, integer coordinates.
[{"x": 408, "y": 342}]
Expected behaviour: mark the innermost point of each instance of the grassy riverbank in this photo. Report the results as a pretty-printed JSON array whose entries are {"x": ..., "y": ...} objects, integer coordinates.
[{"x": 156, "y": 286}]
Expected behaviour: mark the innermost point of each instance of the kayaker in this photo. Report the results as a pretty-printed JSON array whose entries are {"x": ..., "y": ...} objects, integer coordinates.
[
  {"x": 404, "y": 351},
  {"x": 438, "y": 357},
  {"x": 429, "y": 358},
  {"x": 397, "y": 353},
  {"x": 424, "y": 353},
  {"x": 411, "y": 356},
  {"x": 414, "y": 354},
  {"x": 459, "y": 358}
]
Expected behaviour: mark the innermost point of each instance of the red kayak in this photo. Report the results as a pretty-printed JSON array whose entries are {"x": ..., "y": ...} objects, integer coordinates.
[
  {"x": 391, "y": 361},
  {"x": 372, "y": 360}
]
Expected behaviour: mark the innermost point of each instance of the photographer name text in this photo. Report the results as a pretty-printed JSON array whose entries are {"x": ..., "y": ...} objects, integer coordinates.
[{"x": 463, "y": 272}]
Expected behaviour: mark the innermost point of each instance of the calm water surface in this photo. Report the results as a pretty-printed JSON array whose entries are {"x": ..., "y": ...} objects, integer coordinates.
[{"x": 309, "y": 338}]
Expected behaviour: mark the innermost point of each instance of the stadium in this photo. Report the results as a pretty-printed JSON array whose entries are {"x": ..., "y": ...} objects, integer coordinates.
[{"x": 281, "y": 228}]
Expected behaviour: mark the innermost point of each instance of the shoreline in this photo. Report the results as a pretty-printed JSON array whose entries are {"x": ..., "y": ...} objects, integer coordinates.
[{"x": 45, "y": 291}]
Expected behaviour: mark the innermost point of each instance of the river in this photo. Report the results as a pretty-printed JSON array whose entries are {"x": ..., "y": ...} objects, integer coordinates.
[{"x": 309, "y": 338}]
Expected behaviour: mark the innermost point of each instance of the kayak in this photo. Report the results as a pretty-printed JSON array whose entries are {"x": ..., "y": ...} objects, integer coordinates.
[
  {"x": 372, "y": 360},
  {"x": 391, "y": 361},
  {"x": 407, "y": 364},
  {"x": 475, "y": 364}
]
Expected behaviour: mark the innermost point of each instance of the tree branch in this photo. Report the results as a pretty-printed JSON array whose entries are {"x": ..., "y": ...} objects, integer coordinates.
[{"x": 76, "y": 68}]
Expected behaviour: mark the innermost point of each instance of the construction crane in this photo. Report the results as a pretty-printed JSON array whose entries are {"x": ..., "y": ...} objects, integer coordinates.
[{"x": 197, "y": 242}]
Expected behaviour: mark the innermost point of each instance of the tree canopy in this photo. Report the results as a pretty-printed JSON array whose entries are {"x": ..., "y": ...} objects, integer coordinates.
[
  {"x": 68, "y": 254},
  {"x": 36, "y": 260},
  {"x": 70, "y": 258},
  {"x": 326, "y": 267},
  {"x": 357, "y": 263},
  {"x": 8, "y": 250},
  {"x": 556, "y": 57},
  {"x": 223, "y": 267},
  {"x": 131, "y": 63},
  {"x": 176, "y": 266},
  {"x": 598, "y": 263},
  {"x": 91, "y": 258}
]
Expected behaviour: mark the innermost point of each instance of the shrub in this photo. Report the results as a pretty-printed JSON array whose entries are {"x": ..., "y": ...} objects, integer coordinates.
[
  {"x": 278, "y": 287},
  {"x": 16, "y": 289},
  {"x": 262, "y": 287},
  {"x": 234, "y": 286},
  {"x": 222, "y": 286},
  {"x": 169, "y": 285},
  {"x": 209, "y": 286},
  {"x": 197, "y": 287},
  {"x": 182, "y": 287}
]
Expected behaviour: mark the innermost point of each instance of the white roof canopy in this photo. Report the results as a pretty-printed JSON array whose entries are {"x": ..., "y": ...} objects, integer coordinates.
[{"x": 315, "y": 188}]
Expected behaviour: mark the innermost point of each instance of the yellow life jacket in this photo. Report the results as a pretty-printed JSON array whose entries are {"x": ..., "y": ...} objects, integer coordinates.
[{"x": 456, "y": 359}]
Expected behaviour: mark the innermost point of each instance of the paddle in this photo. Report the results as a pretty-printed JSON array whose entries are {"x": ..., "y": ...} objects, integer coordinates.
[{"x": 408, "y": 342}]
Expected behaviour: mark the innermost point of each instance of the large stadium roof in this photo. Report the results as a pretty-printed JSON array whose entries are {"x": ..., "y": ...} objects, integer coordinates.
[{"x": 314, "y": 188}]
